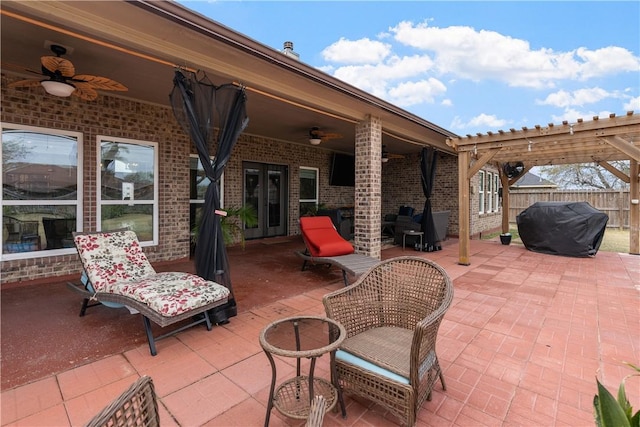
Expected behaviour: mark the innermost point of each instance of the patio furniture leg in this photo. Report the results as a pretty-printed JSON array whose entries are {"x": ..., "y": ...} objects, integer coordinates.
[
  {"x": 152, "y": 342},
  {"x": 85, "y": 305}
]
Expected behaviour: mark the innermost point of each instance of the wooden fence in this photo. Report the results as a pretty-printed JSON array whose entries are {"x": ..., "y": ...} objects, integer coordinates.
[{"x": 614, "y": 203}]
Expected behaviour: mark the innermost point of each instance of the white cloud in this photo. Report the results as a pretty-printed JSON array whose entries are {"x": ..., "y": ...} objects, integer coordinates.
[
  {"x": 412, "y": 93},
  {"x": 633, "y": 104},
  {"x": 478, "y": 55},
  {"x": 481, "y": 121},
  {"x": 606, "y": 61},
  {"x": 412, "y": 64},
  {"x": 363, "y": 51},
  {"x": 375, "y": 79},
  {"x": 579, "y": 97}
]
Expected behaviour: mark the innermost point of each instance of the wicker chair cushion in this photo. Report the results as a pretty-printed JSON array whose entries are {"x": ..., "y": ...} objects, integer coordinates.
[
  {"x": 388, "y": 347},
  {"x": 345, "y": 356},
  {"x": 115, "y": 263}
]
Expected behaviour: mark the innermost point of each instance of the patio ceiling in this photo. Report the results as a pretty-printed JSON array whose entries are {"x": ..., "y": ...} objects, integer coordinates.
[{"x": 140, "y": 43}]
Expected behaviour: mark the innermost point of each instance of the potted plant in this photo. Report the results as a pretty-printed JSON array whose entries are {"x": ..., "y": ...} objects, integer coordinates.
[
  {"x": 609, "y": 412},
  {"x": 232, "y": 224},
  {"x": 505, "y": 238}
]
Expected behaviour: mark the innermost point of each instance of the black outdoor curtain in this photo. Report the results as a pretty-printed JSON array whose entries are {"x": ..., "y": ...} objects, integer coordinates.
[
  {"x": 199, "y": 105},
  {"x": 428, "y": 171}
]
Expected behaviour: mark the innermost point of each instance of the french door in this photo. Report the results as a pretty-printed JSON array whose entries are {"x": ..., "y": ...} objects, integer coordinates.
[{"x": 265, "y": 188}]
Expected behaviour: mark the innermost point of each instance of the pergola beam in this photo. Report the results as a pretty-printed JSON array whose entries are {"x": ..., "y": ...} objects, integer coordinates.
[
  {"x": 615, "y": 171},
  {"x": 482, "y": 160},
  {"x": 625, "y": 146}
]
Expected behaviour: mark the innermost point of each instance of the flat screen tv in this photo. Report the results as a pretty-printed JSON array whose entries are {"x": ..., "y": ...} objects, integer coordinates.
[{"x": 343, "y": 170}]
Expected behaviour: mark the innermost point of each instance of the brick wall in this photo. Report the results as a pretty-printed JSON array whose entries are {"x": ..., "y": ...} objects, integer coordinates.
[{"x": 402, "y": 185}]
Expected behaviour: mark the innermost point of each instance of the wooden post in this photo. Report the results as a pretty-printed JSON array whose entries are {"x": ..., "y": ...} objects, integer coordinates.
[
  {"x": 464, "y": 244},
  {"x": 634, "y": 207},
  {"x": 504, "y": 181}
]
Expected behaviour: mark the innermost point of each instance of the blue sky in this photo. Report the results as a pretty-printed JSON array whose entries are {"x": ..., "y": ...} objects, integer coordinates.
[{"x": 465, "y": 66}]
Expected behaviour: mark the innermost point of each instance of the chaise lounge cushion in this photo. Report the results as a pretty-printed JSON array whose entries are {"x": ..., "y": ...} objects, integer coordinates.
[
  {"x": 322, "y": 239},
  {"x": 115, "y": 263}
]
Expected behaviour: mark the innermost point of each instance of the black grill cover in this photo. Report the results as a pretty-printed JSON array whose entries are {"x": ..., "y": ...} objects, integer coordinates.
[{"x": 562, "y": 228}]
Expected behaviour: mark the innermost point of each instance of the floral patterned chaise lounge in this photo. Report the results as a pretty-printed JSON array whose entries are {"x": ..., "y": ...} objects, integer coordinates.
[{"x": 119, "y": 272}]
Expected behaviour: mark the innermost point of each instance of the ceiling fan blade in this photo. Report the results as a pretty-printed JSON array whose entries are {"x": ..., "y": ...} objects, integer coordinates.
[
  {"x": 97, "y": 82},
  {"x": 85, "y": 92},
  {"x": 326, "y": 135},
  {"x": 55, "y": 63},
  {"x": 25, "y": 83}
]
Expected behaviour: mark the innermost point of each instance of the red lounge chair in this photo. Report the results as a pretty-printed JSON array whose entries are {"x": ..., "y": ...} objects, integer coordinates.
[{"x": 324, "y": 245}]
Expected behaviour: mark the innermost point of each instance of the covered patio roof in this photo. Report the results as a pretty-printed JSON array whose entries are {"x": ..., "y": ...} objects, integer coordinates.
[
  {"x": 599, "y": 141},
  {"x": 140, "y": 43}
]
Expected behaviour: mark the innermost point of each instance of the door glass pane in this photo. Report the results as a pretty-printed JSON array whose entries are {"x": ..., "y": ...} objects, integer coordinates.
[
  {"x": 273, "y": 197},
  {"x": 252, "y": 190}
]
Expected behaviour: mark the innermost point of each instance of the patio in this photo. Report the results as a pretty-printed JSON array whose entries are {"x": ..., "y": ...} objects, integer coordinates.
[{"x": 522, "y": 343}]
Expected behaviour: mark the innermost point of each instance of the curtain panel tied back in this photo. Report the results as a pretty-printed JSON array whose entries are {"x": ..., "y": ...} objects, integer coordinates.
[{"x": 199, "y": 106}]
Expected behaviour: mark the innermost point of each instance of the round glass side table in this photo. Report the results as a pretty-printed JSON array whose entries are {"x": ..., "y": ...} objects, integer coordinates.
[{"x": 302, "y": 337}]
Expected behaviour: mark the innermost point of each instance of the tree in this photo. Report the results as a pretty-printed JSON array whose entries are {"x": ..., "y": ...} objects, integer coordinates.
[{"x": 586, "y": 176}]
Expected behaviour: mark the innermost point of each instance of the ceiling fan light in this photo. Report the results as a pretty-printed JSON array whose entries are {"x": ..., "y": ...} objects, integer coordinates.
[
  {"x": 315, "y": 141},
  {"x": 57, "y": 88}
]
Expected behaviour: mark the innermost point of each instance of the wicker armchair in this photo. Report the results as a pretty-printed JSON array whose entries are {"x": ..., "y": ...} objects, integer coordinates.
[
  {"x": 136, "y": 406},
  {"x": 392, "y": 315}
]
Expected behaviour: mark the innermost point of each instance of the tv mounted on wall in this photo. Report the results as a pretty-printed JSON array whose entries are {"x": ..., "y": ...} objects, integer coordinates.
[{"x": 343, "y": 170}]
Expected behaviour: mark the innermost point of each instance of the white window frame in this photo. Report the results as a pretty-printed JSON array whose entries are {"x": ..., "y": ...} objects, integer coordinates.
[
  {"x": 317, "y": 198},
  {"x": 481, "y": 181},
  {"x": 99, "y": 203},
  {"x": 489, "y": 192},
  {"x": 496, "y": 186},
  {"x": 77, "y": 202}
]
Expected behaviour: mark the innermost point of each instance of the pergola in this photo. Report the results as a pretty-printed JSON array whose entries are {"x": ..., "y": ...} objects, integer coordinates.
[{"x": 600, "y": 141}]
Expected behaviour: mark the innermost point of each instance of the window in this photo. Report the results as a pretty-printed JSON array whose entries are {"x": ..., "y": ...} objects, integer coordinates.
[
  {"x": 41, "y": 191},
  {"x": 481, "y": 192},
  {"x": 496, "y": 197},
  {"x": 308, "y": 190},
  {"x": 198, "y": 184},
  {"x": 489, "y": 192},
  {"x": 128, "y": 187}
]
